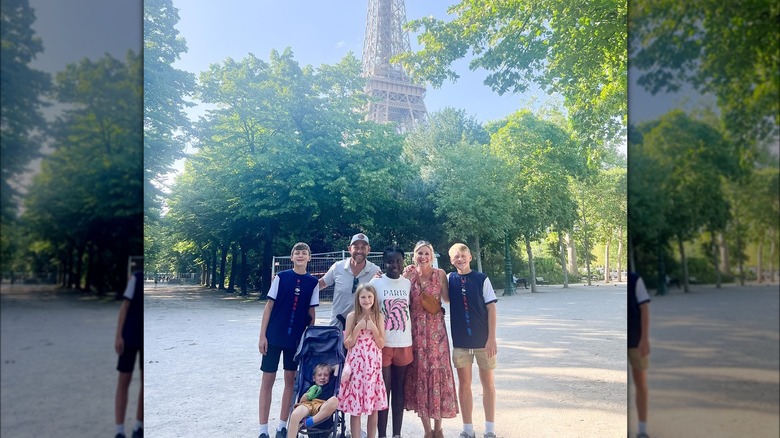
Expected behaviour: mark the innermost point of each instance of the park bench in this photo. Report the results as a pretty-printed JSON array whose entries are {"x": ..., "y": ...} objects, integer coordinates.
[{"x": 540, "y": 281}]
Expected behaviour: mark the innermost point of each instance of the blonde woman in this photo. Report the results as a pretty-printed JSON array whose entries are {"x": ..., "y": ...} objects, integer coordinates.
[{"x": 430, "y": 386}]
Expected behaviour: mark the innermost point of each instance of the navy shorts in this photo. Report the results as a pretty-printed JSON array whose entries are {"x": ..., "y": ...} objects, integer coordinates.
[
  {"x": 271, "y": 359},
  {"x": 126, "y": 361}
]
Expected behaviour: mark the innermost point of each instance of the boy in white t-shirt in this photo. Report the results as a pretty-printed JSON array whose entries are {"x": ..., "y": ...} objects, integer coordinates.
[{"x": 393, "y": 291}]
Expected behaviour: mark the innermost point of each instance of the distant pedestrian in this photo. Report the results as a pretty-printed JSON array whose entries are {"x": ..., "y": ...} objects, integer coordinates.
[
  {"x": 129, "y": 344},
  {"x": 639, "y": 345}
]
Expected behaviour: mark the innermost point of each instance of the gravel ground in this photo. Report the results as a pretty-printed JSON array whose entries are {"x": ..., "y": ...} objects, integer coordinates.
[
  {"x": 58, "y": 368},
  {"x": 561, "y": 373},
  {"x": 714, "y": 363}
]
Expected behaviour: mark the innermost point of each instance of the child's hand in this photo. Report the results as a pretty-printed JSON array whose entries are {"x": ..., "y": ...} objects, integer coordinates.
[
  {"x": 491, "y": 348},
  {"x": 408, "y": 271},
  {"x": 119, "y": 345},
  {"x": 370, "y": 325},
  {"x": 262, "y": 345}
]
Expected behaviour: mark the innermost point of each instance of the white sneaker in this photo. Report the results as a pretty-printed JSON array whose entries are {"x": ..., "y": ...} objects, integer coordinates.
[
  {"x": 489, "y": 435},
  {"x": 465, "y": 434}
]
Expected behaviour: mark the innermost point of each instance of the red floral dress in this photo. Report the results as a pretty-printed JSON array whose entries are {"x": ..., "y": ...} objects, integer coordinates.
[
  {"x": 365, "y": 391},
  {"x": 430, "y": 386}
]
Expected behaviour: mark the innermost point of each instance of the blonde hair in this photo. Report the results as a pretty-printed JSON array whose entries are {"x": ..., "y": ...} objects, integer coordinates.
[
  {"x": 459, "y": 247},
  {"x": 419, "y": 245},
  {"x": 322, "y": 366},
  {"x": 300, "y": 246},
  {"x": 375, "y": 312}
]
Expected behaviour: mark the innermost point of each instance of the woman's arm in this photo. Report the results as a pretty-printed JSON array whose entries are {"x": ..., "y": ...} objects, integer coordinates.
[{"x": 445, "y": 286}]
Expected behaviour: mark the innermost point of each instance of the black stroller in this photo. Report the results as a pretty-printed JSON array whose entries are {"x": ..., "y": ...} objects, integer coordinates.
[{"x": 320, "y": 344}]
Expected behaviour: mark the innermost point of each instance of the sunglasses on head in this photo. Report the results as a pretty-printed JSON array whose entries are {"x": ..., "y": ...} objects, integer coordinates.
[{"x": 354, "y": 284}]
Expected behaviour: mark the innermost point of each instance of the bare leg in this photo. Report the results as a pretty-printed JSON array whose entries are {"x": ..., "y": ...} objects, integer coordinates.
[
  {"x": 354, "y": 425},
  {"x": 120, "y": 403},
  {"x": 436, "y": 425},
  {"x": 426, "y": 422},
  {"x": 464, "y": 394},
  {"x": 266, "y": 391},
  {"x": 139, "y": 414},
  {"x": 488, "y": 394},
  {"x": 371, "y": 425},
  {"x": 382, "y": 422},
  {"x": 287, "y": 394},
  {"x": 297, "y": 415},
  {"x": 640, "y": 382}
]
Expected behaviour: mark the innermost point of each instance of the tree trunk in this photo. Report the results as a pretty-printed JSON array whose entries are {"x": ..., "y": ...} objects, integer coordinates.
[
  {"x": 607, "y": 275},
  {"x": 760, "y": 261},
  {"x": 716, "y": 263},
  {"x": 231, "y": 281},
  {"x": 724, "y": 253},
  {"x": 684, "y": 263},
  {"x": 213, "y": 282},
  {"x": 563, "y": 260},
  {"x": 772, "y": 255},
  {"x": 244, "y": 273},
  {"x": 222, "y": 262},
  {"x": 572, "y": 253},
  {"x": 531, "y": 267},
  {"x": 478, "y": 249},
  {"x": 661, "y": 270},
  {"x": 620, "y": 255},
  {"x": 265, "y": 268},
  {"x": 79, "y": 265}
]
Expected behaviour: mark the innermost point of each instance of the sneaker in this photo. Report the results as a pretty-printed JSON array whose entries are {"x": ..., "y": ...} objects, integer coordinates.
[
  {"x": 120, "y": 435},
  {"x": 489, "y": 435},
  {"x": 281, "y": 433},
  {"x": 263, "y": 435},
  {"x": 138, "y": 433},
  {"x": 642, "y": 435},
  {"x": 465, "y": 434}
]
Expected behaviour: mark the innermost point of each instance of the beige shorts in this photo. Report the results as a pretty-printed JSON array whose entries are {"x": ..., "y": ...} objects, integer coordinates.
[
  {"x": 313, "y": 406},
  {"x": 637, "y": 362},
  {"x": 464, "y": 357}
]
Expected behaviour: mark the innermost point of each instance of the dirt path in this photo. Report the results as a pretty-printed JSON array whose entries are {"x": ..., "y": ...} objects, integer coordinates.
[
  {"x": 562, "y": 365},
  {"x": 58, "y": 369},
  {"x": 714, "y": 363}
]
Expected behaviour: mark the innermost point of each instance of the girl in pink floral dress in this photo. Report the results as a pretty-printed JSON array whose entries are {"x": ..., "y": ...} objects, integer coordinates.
[
  {"x": 430, "y": 386},
  {"x": 362, "y": 390}
]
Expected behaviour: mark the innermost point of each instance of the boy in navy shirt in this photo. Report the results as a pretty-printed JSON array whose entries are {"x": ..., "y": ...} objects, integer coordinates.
[
  {"x": 290, "y": 308},
  {"x": 473, "y": 326}
]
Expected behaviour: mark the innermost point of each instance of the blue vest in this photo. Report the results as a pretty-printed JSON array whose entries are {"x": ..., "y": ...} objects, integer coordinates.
[
  {"x": 291, "y": 307},
  {"x": 468, "y": 311}
]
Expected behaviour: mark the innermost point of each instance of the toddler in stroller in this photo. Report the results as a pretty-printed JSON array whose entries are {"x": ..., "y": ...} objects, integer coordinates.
[{"x": 321, "y": 358}]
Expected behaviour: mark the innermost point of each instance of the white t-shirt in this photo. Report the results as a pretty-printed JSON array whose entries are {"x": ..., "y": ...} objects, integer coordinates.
[{"x": 393, "y": 295}]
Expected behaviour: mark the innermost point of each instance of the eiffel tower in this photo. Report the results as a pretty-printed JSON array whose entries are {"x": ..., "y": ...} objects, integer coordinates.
[{"x": 393, "y": 96}]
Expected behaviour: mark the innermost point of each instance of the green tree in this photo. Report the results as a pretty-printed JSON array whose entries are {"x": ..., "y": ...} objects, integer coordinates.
[
  {"x": 87, "y": 198},
  {"x": 729, "y": 49},
  {"x": 541, "y": 156},
  {"x": 165, "y": 90},
  {"x": 21, "y": 121},
  {"x": 574, "y": 48}
]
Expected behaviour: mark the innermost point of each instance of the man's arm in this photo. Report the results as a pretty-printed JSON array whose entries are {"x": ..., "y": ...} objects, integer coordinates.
[
  {"x": 491, "y": 347},
  {"x": 644, "y": 340}
]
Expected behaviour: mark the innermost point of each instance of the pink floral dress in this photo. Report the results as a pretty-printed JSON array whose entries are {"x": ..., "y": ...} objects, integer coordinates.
[
  {"x": 430, "y": 386},
  {"x": 365, "y": 391}
]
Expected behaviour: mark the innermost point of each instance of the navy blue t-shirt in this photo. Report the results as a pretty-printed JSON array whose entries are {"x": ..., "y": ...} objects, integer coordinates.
[
  {"x": 468, "y": 310},
  {"x": 291, "y": 307}
]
